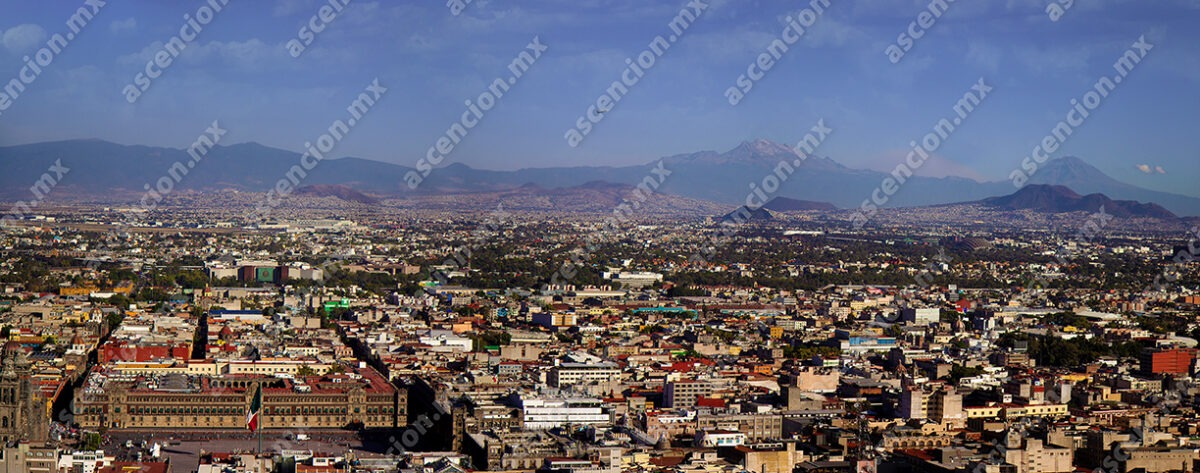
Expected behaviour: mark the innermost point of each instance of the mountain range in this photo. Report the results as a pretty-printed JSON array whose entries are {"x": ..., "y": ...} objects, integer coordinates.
[{"x": 113, "y": 171}]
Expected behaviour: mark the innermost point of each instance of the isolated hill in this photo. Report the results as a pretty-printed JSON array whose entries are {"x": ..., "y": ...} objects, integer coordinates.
[
  {"x": 1061, "y": 199},
  {"x": 744, "y": 214}
]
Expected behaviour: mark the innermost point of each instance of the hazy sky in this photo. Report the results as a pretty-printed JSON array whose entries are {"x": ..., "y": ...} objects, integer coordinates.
[{"x": 238, "y": 70}]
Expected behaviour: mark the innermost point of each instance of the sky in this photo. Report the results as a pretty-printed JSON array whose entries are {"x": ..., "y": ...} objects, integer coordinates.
[{"x": 432, "y": 56}]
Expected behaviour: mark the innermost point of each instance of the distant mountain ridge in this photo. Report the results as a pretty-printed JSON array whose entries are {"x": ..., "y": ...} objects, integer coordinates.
[
  {"x": 591, "y": 197},
  {"x": 784, "y": 204},
  {"x": 759, "y": 153},
  {"x": 112, "y": 171}
]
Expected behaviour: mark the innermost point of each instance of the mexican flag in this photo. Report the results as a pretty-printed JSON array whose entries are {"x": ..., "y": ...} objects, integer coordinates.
[{"x": 255, "y": 409}]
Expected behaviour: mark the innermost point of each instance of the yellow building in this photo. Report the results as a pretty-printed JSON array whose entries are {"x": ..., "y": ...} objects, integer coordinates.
[{"x": 1015, "y": 411}]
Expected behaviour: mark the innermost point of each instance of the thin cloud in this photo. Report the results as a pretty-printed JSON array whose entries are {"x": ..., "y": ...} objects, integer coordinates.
[
  {"x": 121, "y": 26},
  {"x": 291, "y": 7},
  {"x": 1149, "y": 169},
  {"x": 23, "y": 38}
]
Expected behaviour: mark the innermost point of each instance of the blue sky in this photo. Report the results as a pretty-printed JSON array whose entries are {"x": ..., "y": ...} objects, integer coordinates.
[{"x": 239, "y": 71}]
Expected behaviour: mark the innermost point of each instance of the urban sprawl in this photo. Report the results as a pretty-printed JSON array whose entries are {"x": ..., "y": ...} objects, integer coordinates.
[{"x": 336, "y": 338}]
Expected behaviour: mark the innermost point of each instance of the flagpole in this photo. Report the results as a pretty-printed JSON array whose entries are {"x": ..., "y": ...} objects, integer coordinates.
[
  {"x": 254, "y": 417},
  {"x": 261, "y": 424}
]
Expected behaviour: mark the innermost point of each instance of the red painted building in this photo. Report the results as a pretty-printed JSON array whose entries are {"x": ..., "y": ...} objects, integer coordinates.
[
  {"x": 120, "y": 351},
  {"x": 1168, "y": 361}
]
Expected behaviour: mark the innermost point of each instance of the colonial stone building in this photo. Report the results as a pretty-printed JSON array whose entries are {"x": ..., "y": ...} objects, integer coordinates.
[
  {"x": 358, "y": 398},
  {"x": 23, "y": 409}
]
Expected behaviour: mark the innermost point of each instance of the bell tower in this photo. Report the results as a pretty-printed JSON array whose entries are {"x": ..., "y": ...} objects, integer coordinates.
[{"x": 22, "y": 408}]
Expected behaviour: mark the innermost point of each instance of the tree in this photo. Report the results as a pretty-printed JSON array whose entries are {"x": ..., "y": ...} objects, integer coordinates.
[
  {"x": 1049, "y": 350},
  {"x": 492, "y": 338},
  {"x": 113, "y": 319},
  {"x": 91, "y": 441},
  {"x": 153, "y": 295},
  {"x": 1067, "y": 319},
  {"x": 958, "y": 372},
  {"x": 684, "y": 291},
  {"x": 807, "y": 351}
]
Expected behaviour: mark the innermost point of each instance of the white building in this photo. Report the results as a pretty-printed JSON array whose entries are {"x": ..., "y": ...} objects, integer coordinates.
[
  {"x": 541, "y": 413},
  {"x": 634, "y": 278},
  {"x": 568, "y": 374},
  {"x": 445, "y": 340},
  {"x": 84, "y": 461},
  {"x": 582, "y": 368},
  {"x": 719, "y": 438},
  {"x": 924, "y": 316}
]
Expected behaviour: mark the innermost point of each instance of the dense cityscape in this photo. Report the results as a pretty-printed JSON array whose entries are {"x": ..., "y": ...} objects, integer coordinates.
[
  {"x": 513, "y": 340},
  {"x": 602, "y": 236}
]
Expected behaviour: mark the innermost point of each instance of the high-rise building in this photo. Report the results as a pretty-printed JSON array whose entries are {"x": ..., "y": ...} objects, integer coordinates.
[
  {"x": 683, "y": 393},
  {"x": 1031, "y": 455},
  {"x": 940, "y": 403},
  {"x": 912, "y": 403},
  {"x": 924, "y": 316},
  {"x": 945, "y": 403},
  {"x": 1167, "y": 361}
]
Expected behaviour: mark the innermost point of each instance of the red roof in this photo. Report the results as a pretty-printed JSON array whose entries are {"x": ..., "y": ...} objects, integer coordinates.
[
  {"x": 709, "y": 402},
  {"x": 302, "y": 468},
  {"x": 666, "y": 461},
  {"x": 136, "y": 467}
]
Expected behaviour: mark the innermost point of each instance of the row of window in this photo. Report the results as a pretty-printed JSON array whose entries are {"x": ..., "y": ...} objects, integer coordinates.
[
  {"x": 230, "y": 410},
  {"x": 186, "y": 400},
  {"x": 240, "y": 410},
  {"x": 184, "y": 410},
  {"x": 143, "y": 421}
]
